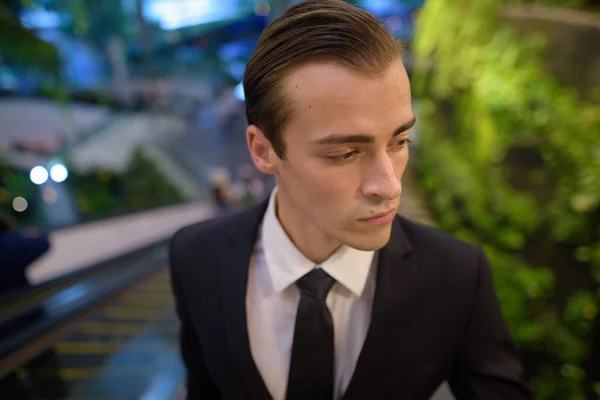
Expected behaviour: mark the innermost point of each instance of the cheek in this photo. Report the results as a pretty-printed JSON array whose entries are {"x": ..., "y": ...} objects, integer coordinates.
[
  {"x": 400, "y": 162},
  {"x": 336, "y": 187},
  {"x": 325, "y": 188}
]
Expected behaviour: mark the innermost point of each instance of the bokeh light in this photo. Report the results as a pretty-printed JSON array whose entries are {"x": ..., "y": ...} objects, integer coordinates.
[
  {"x": 20, "y": 204},
  {"x": 38, "y": 175},
  {"x": 239, "y": 92},
  {"x": 262, "y": 9},
  {"x": 59, "y": 173},
  {"x": 50, "y": 196}
]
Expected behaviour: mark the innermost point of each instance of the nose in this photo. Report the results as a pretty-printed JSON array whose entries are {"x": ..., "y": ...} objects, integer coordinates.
[{"x": 381, "y": 181}]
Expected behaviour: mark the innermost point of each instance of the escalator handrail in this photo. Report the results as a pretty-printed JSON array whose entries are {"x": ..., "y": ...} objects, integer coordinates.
[
  {"x": 78, "y": 274},
  {"x": 12, "y": 343}
]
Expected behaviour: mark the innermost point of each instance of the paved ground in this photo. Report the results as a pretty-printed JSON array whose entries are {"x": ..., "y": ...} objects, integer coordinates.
[{"x": 82, "y": 245}]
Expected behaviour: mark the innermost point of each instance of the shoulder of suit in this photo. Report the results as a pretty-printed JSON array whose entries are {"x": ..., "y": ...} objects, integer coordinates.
[
  {"x": 201, "y": 233},
  {"x": 439, "y": 244}
]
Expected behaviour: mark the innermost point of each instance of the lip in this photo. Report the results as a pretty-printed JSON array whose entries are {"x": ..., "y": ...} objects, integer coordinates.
[{"x": 382, "y": 218}]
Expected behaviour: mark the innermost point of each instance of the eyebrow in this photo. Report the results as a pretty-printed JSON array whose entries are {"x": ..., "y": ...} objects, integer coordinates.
[{"x": 338, "y": 138}]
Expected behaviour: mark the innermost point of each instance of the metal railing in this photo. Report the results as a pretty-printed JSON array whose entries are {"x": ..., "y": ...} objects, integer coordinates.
[{"x": 32, "y": 320}]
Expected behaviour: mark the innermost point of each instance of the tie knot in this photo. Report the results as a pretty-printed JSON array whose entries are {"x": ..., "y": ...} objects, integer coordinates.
[{"x": 317, "y": 283}]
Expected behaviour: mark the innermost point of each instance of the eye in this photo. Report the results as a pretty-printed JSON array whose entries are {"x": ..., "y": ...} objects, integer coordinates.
[
  {"x": 402, "y": 142},
  {"x": 343, "y": 157}
]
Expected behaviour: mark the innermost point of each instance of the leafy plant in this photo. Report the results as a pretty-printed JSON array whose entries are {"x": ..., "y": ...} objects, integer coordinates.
[{"x": 511, "y": 159}]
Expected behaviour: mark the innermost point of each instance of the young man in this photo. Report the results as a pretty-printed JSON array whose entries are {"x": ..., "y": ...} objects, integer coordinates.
[{"x": 323, "y": 292}]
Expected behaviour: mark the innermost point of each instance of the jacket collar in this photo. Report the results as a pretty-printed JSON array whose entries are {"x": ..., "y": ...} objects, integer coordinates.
[{"x": 395, "y": 290}]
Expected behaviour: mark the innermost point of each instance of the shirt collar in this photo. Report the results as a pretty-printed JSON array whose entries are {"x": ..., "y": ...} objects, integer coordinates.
[{"x": 286, "y": 264}]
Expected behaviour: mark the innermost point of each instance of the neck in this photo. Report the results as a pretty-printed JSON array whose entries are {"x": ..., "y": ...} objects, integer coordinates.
[{"x": 313, "y": 243}]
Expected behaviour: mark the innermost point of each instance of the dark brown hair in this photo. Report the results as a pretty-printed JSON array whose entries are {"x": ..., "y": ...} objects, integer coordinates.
[{"x": 311, "y": 31}]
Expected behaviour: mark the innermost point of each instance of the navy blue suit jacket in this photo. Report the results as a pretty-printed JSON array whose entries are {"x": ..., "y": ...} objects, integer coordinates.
[{"x": 435, "y": 317}]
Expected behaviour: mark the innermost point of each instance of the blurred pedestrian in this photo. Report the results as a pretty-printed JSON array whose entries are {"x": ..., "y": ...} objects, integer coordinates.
[
  {"x": 221, "y": 190},
  {"x": 18, "y": 249},
  {"x": 252, "y": 187}
]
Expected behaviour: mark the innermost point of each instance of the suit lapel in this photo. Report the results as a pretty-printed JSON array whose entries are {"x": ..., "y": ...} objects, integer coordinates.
[
  {"x": 234, "y": 277},
  {"x": 394, "y": 292}
]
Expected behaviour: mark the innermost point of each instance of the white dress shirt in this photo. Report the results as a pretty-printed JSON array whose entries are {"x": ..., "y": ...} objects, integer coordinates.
[{"x": 272, "y": 301}]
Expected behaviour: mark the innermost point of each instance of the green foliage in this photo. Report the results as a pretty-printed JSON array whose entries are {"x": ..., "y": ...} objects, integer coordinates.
[
  {"x": 96, "y": 20},
  {"x": 511, "y": 159},
  {"x": 18, "y": 44},
  {"x": 97, "y": 194},
  {"x": 146, "y": 187},
  {"x": 102, "y": 193},
  {"x": 566, "y": 381},
  {"x": 17, "y": 184},
  {"x": 580, "y": 312},
  {"x": 576, "y": 4}
]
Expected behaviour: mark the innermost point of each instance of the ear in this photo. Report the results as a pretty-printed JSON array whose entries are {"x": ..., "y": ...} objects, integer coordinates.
[{"x": 261, "y": 150}]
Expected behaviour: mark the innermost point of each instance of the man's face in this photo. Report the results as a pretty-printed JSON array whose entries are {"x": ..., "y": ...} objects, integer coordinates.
[{"x": 345, "y": 152}]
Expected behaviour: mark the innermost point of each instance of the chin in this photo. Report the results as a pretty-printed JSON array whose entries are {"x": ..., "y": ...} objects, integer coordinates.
[{"x": 370, "y": 242}]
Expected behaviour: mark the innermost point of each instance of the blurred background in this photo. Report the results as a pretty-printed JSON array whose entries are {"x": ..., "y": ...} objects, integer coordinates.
[{"x": 123, "y": 120}]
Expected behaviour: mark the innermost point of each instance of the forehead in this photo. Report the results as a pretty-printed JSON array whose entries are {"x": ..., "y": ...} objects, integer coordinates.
[{"x": 328, "y": 98}]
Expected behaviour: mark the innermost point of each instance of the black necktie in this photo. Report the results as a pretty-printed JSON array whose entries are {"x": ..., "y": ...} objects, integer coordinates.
[{"x": 311, "y": 367}]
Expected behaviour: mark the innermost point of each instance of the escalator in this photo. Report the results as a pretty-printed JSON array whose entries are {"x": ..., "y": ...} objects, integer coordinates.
[{"x": 105, "y": 332}]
